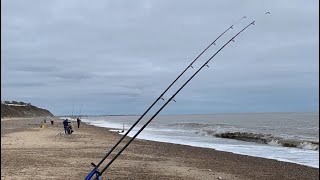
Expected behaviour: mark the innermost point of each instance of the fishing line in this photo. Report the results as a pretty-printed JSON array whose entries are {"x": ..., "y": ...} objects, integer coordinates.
[
  {"x": 172, "y": 98},
  {"x": 161, "y": 96}
]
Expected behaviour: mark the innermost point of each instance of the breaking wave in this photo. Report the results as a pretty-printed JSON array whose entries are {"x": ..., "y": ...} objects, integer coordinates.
[
  {"x": 263, "y": 139},
  {"x": 237, "y": 133}
]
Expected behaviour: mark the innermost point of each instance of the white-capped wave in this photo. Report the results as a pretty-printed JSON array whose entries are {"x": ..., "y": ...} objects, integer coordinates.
[{"x": 309, "y": 146}]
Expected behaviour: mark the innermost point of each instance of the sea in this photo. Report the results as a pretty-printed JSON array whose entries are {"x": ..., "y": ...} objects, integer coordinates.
[{"x": 289, "y": 137}]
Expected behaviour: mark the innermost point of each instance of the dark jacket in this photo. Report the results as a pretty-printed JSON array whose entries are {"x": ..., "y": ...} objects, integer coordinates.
[{"x": 65, "y": 123}]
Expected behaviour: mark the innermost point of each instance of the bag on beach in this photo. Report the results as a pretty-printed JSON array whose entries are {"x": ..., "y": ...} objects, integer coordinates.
[{"x": 69, "y": 129}]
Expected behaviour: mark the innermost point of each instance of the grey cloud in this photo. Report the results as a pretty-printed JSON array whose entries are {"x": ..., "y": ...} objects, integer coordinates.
[
  {"x": 125, "y": 53},
  {"x": 24, "y": 84},
  {"x": 72, "y": 76},
  {"x": 29, "y": 68}
]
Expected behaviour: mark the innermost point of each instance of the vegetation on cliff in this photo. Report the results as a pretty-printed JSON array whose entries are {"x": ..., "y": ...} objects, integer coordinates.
[{"x": 20, "y": 109}]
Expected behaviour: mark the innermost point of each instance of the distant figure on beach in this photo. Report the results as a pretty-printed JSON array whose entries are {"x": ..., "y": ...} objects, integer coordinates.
[
  {"x": 78, "y": 122},
  {"x": 65, "y": 125},
  {"x": 122, "y": 129}
]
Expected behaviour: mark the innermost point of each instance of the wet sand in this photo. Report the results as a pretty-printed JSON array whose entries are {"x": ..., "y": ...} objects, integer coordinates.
[{"x": 31, "y": 152}]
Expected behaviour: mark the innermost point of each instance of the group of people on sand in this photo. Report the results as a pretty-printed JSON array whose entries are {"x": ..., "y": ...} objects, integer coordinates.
[
  {"x": 68, "y": 128},
  {"x": 51, "y": 121}
]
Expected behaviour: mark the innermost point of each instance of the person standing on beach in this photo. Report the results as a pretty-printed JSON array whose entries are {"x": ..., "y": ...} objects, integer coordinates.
[
  {"x": 65, "y": 125},
  {"x": 78, "y": 122}
]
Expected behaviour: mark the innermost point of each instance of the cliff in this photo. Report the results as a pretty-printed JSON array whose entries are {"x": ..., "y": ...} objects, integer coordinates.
[{"x": 23, "y": 111}]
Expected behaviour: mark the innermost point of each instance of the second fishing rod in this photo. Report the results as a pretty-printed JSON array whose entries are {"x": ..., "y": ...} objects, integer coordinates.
[
  {"x": 171, "y": 98},
  {"x": 161, "y": 96}
]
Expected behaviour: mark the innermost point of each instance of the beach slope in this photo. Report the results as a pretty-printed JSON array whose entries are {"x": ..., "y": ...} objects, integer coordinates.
[{"x": 31, "y": 152}]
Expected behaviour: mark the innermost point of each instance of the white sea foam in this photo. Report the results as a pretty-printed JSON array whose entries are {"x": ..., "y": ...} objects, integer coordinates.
[
  {"x": 308, "y": 145},
  {"x": 293, "y": 155},
  {"x": 274, "y": 142},
  {"x": 183, "y": 130}
]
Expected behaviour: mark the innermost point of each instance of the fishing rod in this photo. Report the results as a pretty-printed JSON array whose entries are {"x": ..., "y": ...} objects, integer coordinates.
[
  {"x": 80, "y": 111},
  {"x": 171, "y": 98},
  {"x": 72, "y": 110},
  {"x": 161, "y": 96}
]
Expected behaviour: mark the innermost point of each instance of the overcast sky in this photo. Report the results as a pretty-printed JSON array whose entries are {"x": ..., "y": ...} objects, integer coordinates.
[{"x": 117, "y": 57}]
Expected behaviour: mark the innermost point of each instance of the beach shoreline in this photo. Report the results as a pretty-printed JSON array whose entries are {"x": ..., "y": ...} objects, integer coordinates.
[{"x": 31, "y": 152}]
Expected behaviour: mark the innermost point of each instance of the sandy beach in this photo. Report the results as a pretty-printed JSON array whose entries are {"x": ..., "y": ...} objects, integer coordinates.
[{"x": 31, "y": 152}]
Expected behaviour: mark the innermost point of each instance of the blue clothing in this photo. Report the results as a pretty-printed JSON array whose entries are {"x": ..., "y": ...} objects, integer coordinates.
[{"x": 65, "y": 125}]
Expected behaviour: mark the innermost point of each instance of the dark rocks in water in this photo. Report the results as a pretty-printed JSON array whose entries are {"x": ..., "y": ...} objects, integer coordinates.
[
  {"x": 244, "y": 136},
  {"x": 314, "y": 142},
  {"x": 268, "y": 138},
  {"x": 285, "y": 144}
]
